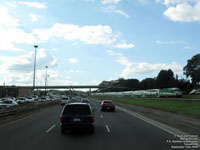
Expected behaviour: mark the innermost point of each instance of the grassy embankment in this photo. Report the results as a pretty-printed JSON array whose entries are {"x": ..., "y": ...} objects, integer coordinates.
[{"x": 191, "y": 108}]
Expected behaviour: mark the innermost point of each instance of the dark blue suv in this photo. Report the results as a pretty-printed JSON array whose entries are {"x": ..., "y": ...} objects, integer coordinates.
[{"x": 77, "y": 116}]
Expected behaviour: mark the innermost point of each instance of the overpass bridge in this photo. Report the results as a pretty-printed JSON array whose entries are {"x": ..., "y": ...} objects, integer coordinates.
[{"x": 64, "y": 87}]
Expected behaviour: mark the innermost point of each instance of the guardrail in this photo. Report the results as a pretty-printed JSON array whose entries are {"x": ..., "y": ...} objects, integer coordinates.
[{"x": 25, "y": 107}]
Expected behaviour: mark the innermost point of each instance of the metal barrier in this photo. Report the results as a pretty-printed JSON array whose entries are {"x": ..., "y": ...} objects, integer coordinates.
[{"x": 25, "y": 107}]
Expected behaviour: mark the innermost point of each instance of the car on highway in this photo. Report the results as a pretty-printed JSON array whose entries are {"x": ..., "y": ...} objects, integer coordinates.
[
  {"x": 77, "y": 116},
  {"x": 107, "y": 105},
  {"x": 64, "y": 100},
  {"x": 85, "y": 100},
  {"x": 22, "y": 100},
  {"x": 42, "y": 99},
  {"x": 8, "y": 103}
]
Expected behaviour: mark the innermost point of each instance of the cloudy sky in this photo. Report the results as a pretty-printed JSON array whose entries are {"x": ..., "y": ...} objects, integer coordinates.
[{"x": 88, "y": 41}]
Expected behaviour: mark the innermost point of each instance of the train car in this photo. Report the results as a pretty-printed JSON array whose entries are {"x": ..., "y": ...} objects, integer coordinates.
[
  {"x": 170, "y": 92},
  {"x": 152, "y": 93}
]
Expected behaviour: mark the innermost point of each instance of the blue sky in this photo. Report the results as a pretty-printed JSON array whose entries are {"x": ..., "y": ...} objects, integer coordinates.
[{"x": 88, "y": 41}]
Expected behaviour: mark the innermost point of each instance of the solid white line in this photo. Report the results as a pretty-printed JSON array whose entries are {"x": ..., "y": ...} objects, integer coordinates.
[
  {"x": 50, "y": 128},
  {"x": 101, "y": 116},
  {"x": 107, "y": 128}
]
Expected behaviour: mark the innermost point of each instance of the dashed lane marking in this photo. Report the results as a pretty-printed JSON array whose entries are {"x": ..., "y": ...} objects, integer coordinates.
[
  {"x": 107, "y": 128},
  {"x": 51, "y": 128}
]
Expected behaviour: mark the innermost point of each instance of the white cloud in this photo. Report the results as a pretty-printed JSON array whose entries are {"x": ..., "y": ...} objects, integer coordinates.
[
  {"x": 34, "y": 4},
  {"x": 11, "y": 34},
  {"x": 143, "y": 1},
  {"x": 146, "y": 68},
  {"x": 183, "y": 11},
  {"x": 72, "y": 71},
  {"x": 118, "y": 11},
  {"x": 11, "y": 4},
  {"x": 34, "y": 17},
  {"x": 95, "y": 82},
  {"x": 87, "y": 34},
  {"x": 90, "y": 0},
  {"x": 113, "y": 53},
  {"x": 113, "y": 9},
  {"x": 6, "y": 19},
  {"x": 24, "y": 63},
  {"x": 73, "y": 60},
  {"x": 169, "y": 42},
  {"x": 170, "y": 2},
  {"x": 19, "y": 70},
  {"x": 124, "y": 46},
  {"x": 110, "y": 1},
  {"x": 132, "y": 68},
  {"x": 189, "y": 47}
]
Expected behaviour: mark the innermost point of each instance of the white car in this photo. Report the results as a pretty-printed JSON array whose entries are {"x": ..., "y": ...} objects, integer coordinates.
[
  {"x": 64, "y": 100},
  {"x": 42, "y": 99},
  {"x": 8, "y": 103},
  {"x": 22, "y": 100},
  {"x": 30, "y": 99}
]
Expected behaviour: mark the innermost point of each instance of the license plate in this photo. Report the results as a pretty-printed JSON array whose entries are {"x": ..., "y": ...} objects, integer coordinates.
[
  {"x": 77, "y": 119},
  {"x": 108, "y": 107}
]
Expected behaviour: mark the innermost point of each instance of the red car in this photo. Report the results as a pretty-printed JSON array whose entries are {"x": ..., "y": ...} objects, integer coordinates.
[{"x": 107, "y": 105}]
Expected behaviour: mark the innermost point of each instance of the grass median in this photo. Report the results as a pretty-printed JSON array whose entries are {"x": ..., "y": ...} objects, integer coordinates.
[{"x": 191, "y": 108}]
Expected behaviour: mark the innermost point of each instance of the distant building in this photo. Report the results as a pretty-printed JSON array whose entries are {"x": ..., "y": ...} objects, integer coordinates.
[{"x": 14, "y": 91}]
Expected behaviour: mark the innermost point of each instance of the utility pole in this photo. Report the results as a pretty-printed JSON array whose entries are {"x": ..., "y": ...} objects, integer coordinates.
[
  {"x": 35, "y": 46},
  {"x": 46, "y": 80}
]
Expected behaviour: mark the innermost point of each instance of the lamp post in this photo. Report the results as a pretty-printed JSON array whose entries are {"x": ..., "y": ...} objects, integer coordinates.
[
  {"x": 46, "y": 80},
  {"x": 35, "y": 46}
]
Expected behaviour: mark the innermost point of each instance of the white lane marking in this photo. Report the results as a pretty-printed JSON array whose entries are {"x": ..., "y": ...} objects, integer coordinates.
[
  {"x": 51, "y": 128},
  {"x": 101, "y": 116},
  {"x": 107, "y": 128}
]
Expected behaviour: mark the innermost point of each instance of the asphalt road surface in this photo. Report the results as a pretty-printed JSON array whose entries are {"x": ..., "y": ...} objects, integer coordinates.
[{"x": 113, "y": 131}]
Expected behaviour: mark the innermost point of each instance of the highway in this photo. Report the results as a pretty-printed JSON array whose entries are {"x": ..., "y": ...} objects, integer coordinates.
[{"x": 113, "y": 131}]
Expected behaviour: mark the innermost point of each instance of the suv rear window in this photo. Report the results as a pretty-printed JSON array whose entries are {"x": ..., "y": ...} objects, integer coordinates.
[
  {"x": 108, "y": 102},
  {"x": 77, "y": 109}
]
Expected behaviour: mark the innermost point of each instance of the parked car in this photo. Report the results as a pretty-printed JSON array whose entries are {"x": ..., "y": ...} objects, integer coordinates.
[
  {"x": 12, "y": 98},
  {"x": 77, "y": 116},
  {"x": 35, "y": 97},
  {"x": 8, "y": 103},
  {"x": 64, "y": 100},
  {"x": 107, "y": 105},
  {"x": 22, "y": 100},
  {"x": 42, "y": 99},
  {"x": 30, "y": 99}
]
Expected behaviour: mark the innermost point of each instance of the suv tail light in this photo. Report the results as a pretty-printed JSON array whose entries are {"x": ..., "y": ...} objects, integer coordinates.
[
  {"x": 61, "y": 118},
  {"x": 92, "y": 118}
]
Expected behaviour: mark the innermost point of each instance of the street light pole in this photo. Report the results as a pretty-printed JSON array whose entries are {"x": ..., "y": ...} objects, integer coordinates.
[
  {"x": 35, "y": 46},
  {"x": 46, "y": 79}
]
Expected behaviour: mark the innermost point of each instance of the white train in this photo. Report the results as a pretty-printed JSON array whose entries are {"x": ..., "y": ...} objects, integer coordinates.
[{"x": 167, "y": 92}]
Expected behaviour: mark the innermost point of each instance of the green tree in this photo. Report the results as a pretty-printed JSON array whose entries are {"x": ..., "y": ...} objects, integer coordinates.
[
  {"x": 148, "y": 83},
  {"x": 192, "y": 69},
  {"x": 165, "y": 79}
]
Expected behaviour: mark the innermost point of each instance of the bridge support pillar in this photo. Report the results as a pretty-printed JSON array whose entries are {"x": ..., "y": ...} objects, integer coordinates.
[{"x": 89, "y": 92}]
